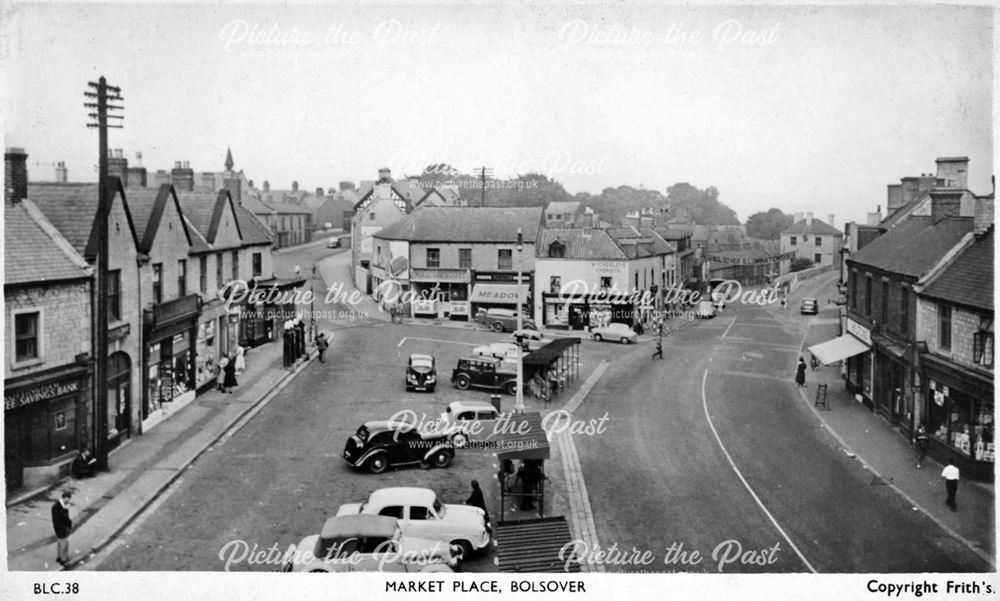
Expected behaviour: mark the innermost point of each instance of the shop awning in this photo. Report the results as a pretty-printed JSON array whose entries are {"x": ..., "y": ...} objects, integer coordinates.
[
  {"x": 498, "y": 293},
  {"x": 838, "y": 349}
]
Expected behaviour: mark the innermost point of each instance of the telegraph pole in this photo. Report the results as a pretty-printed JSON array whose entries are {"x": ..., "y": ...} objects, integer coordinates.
[
  {"x": 102, "y": 93},
  {"x": 484, "y": 172}
]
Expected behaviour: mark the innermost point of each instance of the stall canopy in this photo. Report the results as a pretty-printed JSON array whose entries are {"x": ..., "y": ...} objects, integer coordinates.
[
  {"x": 534, "y": 546},
  {"x": 838, "y": 349},
  {"x": 544, "y": 357},
  {"x": 498, "y": 293}
]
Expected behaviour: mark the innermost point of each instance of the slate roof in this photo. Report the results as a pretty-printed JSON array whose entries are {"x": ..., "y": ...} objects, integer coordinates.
[
  {"x": 914, "y": 246},
  {"x": 203, "y": 213},
  {"x": 35, "y": 251},
  {"x": 252, "y": 230},
  {"x": 147, "y": 208},
  {"x": 904, "y": 211},
  {"x": 818, "y": 228},
  {"x": 595, "y": 245},
  {"x": 672, "y": 233},
  {"x": 968, "y": 280},
  {"x": 558, "y": 207},
  {"x": 70, "y": 207},
  {"x": 466, "y": 224}
]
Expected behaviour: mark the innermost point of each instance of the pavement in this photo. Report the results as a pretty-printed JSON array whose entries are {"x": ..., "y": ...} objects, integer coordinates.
[
  {"x": 885, "y": 450},
  {"x": 142, "y": 468}
]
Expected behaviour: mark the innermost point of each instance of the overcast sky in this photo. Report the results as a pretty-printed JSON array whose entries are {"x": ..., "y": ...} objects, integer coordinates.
[{"x": 802, "y": 108}]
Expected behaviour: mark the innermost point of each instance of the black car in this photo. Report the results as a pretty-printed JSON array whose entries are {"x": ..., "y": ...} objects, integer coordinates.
[
  {"x": 421, "y": 373},
  {"x": 483, "y": 372},
  {"x": 378, "y": 445}
]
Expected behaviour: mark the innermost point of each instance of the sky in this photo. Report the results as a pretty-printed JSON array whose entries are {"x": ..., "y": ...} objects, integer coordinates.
[{"x": 804, "y": 108}]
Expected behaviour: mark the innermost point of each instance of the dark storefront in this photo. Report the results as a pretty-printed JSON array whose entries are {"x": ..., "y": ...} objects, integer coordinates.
[
  {"x": 893, "y": 398},
  {"x": 590, "y": 311},
  {"x": 959, "y": 410},
  {"x": 269, "y": 304},
  {"x": 169, "y": 351},
  {"x": 45, "y": 423}
]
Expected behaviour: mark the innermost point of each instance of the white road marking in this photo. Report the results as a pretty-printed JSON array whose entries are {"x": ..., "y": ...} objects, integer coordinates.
[
  {"x": 730, "y": 327},
  {"x": 436, "y": 340},
  {"x": 704, "y": 403}
]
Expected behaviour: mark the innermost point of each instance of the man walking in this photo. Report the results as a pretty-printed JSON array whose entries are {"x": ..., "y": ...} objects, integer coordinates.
[
  {"x": 321, "y": 345},
  {"x": 659, "y": 349},
  {"x": 923, "y": 442},
  {"x": 950, "y": 475},
  {"x": 62, "y": 525}
]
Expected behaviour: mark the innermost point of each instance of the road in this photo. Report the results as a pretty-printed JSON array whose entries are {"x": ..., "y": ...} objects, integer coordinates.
[{"x": 712, "y": 450}]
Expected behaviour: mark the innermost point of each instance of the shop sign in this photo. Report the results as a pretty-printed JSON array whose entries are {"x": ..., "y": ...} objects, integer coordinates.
[
  {"x": 41, "y": 392},
  {"x": 439, "y": 275},
  {"x": 424, "y": 306},
  {"x": 859, "y": 331},
  {"x": 459, "y": 307}
]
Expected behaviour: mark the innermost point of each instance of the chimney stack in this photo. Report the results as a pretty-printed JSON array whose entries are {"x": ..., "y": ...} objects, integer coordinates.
[
  {"x": 235, "y": 189},
  {"x": 267, "y": 186},
  {"x": 295, "y": 186},
  {"x": 809, "y": 219},
  {"x": 117, "y": 164},
  {"x": 319, "y": 192},
  {"x": 138, "y": 160},
  {"x": 895, "y": 197},
  {"x": 945, "y": 202},
  {"x": 384, "y": 175},
  {"x": 831, "y": 220},
  {"x": 15, "y": 169},
  {"x": 984, "y": 217},
  {"x": 182, "y": 177},
  {"x": 874, "y": 218},
  {"x": 62, "y": 175},
  {"x": 953, "y": 171},
  {"x": 345, "y": 185}
]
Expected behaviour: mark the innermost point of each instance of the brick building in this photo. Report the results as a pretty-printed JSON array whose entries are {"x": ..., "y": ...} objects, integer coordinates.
[{"x": 48, "y": 373}]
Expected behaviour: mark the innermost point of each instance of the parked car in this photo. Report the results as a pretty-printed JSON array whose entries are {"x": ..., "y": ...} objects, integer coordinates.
[
  {"x": 421, "y": 374},
  {"x": 484, "y": 372},
  {"x": 614, "y": 332},
  {"x": 500, "y": 350},
  {"x": 333, "y": 243},
  {"x": 421, "y": 514},
  {"x": 370, "y": 543},
  {"x": 531, "y": 340},
  {"x": 463, "y": 419},
  {"x": 378, "y": 445},
  {"x": 503, "y": 320},
  {"x": 810, "y": 306},
  {"x": 704, "y": 310}
]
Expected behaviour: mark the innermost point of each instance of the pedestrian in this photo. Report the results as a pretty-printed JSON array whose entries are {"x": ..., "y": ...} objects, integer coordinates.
[
  {"x": 638, "y": 328},
  {"x": 922, "y": 442},
  {"x": 392, "y": 313},
  {"x": 659, "y": 349},
  {"x": 241, "y": 362},
  {"x": 230, "y": 375},
  {"x": 84, "y": 466},
  {"x": 221, "y": 378},
  {"x": 321, "y": 346},
  {"x": 476, "y": 499},
  {"x": 950, "y": 475},
  {"x": 813, "y": 361},
  {"x": 800, "y": 373},
  {"x": 62, "y": 525}
]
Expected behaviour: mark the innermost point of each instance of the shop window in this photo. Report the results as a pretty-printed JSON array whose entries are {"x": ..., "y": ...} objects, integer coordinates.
[
  {"x": 433, "y": 257},
  {"x": 982, "y": 349},
  {"x": 114, "y": 295},
  {"x": 505, "y": 259},
  {"x": 182, "y": 278},
  {"x": 258, "y": 264},
  {"x": 203, "y": 274},
  {"x": 605, "y": 282},
  {"x": 26, "y": 336},
  {"x": 944, "y": 327},
  {"x": 157, "y": 283},
  {"x": 465, "y": 258}
]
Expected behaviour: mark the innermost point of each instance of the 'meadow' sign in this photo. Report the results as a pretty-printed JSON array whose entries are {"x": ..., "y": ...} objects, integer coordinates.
[{"x": 40, "y": 392}]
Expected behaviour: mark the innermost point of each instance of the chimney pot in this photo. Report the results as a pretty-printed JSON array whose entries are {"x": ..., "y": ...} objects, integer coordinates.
[
  {"x": 319, "y": 191},
  {"x": 295, "y": 186},
  {"x": 177, "y": 164},
  {"x": 15, "y": 180}
]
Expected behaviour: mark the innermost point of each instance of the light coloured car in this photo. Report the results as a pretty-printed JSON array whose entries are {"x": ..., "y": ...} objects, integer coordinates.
[
  {"x": 532, "y": 340},
  {"x": 810, "y": 306},
  {"x": 422, "y": 515},
  {"x": 704, "y": 310},
  {"x": 333, "y": 243},
  {"x": 369, "y": 543},
  {"x": 500, "y": 350},
  {"x": 614, "y": 332},
  {"x": 502, "y": 320},
  {"x": 465, "y": 419}
]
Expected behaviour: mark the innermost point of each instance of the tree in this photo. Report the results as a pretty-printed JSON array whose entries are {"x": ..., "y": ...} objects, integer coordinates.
[
  {"x": 691, "y": 204},
  {"x": 768, "y": 225},
  {"x": 800, "y": 263}
]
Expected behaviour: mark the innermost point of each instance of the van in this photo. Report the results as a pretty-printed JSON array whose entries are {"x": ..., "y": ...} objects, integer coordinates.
[{"x": 502, "y": 320}]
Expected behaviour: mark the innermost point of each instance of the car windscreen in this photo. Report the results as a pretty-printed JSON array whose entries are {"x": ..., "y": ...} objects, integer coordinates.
[
  {"x": 336, "y": 547},
  {"x": 421, "y": 365}
]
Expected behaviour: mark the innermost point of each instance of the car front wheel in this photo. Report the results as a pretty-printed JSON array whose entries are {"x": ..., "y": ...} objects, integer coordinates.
[
  {"x": 377, "y": 464},
  {"x": 441, "y": 459},
  {"x": 466, "y": 549},
  {"x": 598, "y": 337},
  {"x": 625, "y": 341},
  {"x": 459, "y": 440},
  {"x": 497, "y": 327},
  {"x": 462, "y": 383}
]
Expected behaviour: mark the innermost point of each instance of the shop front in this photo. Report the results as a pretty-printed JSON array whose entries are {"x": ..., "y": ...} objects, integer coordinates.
[
  {"x": 959, "y": 410},
  {"x": 441, "y": 293},
  {"x": 258, "y": 318},
  {"x": 45, "y": 423},
  {"x": 588, "y": 311},
  {"x": 893, "y": 398},
  {"x": 859, "y": 370},
  {"x": 500, "y": 291},
  {"x": 170, "y": 357}
]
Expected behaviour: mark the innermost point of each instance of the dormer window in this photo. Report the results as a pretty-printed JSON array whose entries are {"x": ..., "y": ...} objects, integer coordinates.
[{"x": 557, "y": 250}]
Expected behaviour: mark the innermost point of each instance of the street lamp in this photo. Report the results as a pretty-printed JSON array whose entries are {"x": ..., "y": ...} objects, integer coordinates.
[{"x": 519, "y": 397}]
